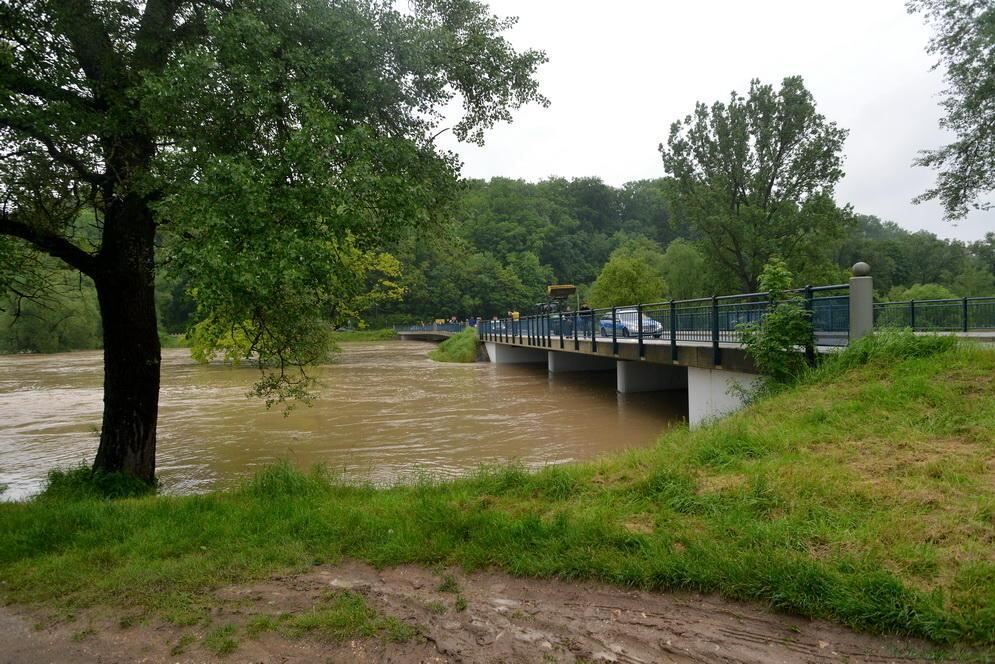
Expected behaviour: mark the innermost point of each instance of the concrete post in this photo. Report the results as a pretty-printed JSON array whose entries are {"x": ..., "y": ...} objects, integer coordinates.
[{"x": 861, "y": 301}]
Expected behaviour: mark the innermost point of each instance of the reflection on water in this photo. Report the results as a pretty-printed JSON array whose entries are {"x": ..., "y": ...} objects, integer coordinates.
[{"x": 386, "y": 413}]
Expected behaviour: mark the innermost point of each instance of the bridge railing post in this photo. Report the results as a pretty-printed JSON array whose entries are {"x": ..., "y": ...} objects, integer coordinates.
[
  {"x": 673, "y": 331},
  {"x": 716, "y": 351},
  {"x": 810, "y": 346},
  {"x": 576, "y": 332},
  {"x": 963, "y": 314},
  {"x": 594, "y": 336},
  {"x": 639, "y": 325},
  {"x": 614, "y": 331},
  {"x": 561, "y": 329},
  {"x": 912, "y": 314}
]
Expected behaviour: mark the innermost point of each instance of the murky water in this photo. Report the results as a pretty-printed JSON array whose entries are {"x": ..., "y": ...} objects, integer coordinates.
[{"x": 386, "y": 413}]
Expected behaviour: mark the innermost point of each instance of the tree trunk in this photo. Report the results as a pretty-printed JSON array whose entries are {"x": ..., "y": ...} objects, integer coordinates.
[{"x": 126, "y": 291}]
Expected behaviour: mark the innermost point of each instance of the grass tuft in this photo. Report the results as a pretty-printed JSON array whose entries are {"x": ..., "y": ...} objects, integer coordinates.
[{"x": 82, "y": 483}]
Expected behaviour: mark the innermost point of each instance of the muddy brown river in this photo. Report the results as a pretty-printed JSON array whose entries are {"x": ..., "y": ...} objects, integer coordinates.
[{"x": 386, "y": 413}]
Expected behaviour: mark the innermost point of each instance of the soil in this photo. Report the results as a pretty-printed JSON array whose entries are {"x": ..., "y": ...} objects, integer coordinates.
[{"x": 499, "y": 619}]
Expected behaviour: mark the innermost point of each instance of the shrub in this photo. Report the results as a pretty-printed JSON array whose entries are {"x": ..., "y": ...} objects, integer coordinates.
[{"x": 774, "y": 343}]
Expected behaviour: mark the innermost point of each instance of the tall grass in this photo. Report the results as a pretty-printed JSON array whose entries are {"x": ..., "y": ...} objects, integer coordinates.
[
  {"x": 864, "y": 496},
  {"x": 461, "y": 347}
]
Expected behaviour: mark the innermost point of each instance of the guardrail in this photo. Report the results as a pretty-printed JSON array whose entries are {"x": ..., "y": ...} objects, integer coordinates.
[
  {"x": 712, "y": 320},
  {"x": 950, "y": 315}
]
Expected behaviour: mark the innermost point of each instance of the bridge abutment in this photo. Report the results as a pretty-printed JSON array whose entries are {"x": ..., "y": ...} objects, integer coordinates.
[
  {"x": 633, "y": 376},
  {"x": 714, "y": 393},
  {"x": 505, "y": 354}
]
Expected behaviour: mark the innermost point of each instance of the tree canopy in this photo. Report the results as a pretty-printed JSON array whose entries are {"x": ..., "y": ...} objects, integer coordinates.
[
  {"x": 964, "y": 44},
  {"x": 755, "y": 178}
]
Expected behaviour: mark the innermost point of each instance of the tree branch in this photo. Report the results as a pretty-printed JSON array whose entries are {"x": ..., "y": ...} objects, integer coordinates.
[
  {"x": 57, "y": 153},
  {"x": 52, "y": 244}
]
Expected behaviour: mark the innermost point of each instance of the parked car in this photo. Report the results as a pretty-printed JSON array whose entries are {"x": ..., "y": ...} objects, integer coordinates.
[{"x": 627, "y": 325}]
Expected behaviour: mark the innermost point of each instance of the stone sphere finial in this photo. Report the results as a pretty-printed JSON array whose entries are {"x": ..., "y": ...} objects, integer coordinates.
[{"x": 861, "y": 269}]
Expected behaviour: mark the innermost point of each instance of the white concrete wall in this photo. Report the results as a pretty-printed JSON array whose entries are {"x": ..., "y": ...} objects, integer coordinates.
[
  {"x": 713, "y": 393},
  {"x": 505, "y": 354},
  {"x": 564, "y": 362},
  {"x": 632, "y": 376}
]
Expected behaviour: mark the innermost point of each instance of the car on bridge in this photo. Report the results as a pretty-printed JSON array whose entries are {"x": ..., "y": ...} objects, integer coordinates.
[{"x": 626, "y": 324}]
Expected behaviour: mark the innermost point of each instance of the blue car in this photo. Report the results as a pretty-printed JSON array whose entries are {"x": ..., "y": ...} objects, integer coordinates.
[{"x": 627, "y": 325}]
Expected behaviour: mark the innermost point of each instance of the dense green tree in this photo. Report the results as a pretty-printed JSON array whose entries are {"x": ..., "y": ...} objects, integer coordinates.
[
  {"x": 276, "y": 145},
  {"x": 965, "y": 45},
  {"x": 755, "y": 178},
  {"x": 627, "y": 280},
  {"x": 684, "y": 271},
  {"x": 921, "y": 292}
]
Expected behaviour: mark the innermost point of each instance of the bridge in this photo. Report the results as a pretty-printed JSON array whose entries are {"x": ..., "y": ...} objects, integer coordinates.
[
  {"x": 695, "y": 345},
  {"x": 433, "y": 332}
]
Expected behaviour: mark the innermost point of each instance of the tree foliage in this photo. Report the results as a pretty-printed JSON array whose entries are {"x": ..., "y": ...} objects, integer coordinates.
[
  {"x": 755, "y": 178},
  {"x": 273, "y": 149},
  {"x": 627, "y": 280},
  {"x": 964, "y": 44}
]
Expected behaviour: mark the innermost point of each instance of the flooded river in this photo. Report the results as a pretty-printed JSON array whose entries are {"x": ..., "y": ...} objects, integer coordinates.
[{"x": 386, "y": 413}]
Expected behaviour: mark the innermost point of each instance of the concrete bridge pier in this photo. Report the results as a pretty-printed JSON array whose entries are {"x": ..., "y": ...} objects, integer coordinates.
[
  {"x": 560, "y": 362},
  {"x": 505, "y": 354},
  {"x": 714, "y": 393},
  {"x": 631, "y": 376}
]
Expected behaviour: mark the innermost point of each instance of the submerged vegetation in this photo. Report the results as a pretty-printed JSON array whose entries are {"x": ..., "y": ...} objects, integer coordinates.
[
  {"x": 863, "y": 494},
  {"x": 461, "y": 347}
]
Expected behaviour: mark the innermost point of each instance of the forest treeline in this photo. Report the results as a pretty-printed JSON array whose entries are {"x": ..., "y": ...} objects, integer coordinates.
[{"x": 507, "y": 239}]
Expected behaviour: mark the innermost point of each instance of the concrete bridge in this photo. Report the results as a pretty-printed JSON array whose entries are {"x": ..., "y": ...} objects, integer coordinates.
[{"x": 688, "y": 346}]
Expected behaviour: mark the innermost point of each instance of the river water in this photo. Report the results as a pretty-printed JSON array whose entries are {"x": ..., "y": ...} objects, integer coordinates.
[{"x": 386, "y": 413}]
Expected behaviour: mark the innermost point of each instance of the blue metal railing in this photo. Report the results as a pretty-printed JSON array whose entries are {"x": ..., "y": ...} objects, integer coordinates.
[
  {"x": 950, "y": 315},
  {"x": 711, "y": 320}
]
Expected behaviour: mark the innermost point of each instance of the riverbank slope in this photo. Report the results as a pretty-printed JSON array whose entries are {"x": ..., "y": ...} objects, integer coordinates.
[{"x": 865, "y": 496}]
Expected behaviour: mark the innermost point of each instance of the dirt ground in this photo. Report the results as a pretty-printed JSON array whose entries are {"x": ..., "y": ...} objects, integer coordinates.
[{"x": 504, "y": 620}]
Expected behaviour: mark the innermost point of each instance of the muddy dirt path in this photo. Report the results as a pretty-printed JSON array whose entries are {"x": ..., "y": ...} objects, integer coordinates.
[{"x": 480, "y": 617}]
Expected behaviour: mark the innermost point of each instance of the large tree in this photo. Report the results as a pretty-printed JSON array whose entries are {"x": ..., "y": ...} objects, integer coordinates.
[
  {"x": 755, "y": 178},
  {"x": 270, "y": 147},
  {"x": 965, "y": 45}
]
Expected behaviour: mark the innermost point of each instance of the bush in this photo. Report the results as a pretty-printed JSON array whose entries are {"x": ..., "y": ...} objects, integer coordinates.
[
  {"x": 462, "y": 347},
  {"x": 774, "y": 343}
]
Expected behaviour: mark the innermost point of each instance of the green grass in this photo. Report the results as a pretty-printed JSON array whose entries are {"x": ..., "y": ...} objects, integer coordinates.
[
  {"x": 222, "y": 641},
  {"x": 865, "y": 495},
  {"x": 460, "y": 347},
  {"x": 345, "y": 615},
  {"x": 363, "y": 335}
]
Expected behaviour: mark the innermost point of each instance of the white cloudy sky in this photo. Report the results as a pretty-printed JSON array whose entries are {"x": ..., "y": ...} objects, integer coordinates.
[{"x": 620, "y": 72}]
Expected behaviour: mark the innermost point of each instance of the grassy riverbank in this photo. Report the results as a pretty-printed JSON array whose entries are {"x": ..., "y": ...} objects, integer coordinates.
[
  {"x": 462, "y": 347},
  {"x": 866, "y": 496}
]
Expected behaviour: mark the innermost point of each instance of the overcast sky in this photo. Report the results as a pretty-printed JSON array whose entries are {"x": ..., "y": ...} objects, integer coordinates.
[{"x": 620, "y": 72}]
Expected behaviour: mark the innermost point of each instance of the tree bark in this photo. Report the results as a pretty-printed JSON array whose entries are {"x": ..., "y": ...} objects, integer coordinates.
[{"x": 125, "y": 282}]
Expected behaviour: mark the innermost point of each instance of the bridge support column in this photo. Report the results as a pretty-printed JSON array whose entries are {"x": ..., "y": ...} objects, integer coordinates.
[
  {"x": 713, "y": 393},
  {"x": 505, "y": 354},
  {"x": 632, "y": 376},
  {"x": 560, "y": 362}
]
